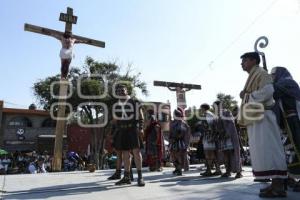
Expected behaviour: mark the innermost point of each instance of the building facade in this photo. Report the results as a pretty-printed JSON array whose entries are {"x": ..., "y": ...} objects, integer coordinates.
[
  {"x": 34, "y": 130},
  {"x": 25, "y": 129}
]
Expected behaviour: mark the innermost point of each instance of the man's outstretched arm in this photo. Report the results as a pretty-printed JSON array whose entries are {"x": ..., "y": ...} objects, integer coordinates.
[
  {"x": 44, "y": 31},
  {"x": 84, "y": 40}
]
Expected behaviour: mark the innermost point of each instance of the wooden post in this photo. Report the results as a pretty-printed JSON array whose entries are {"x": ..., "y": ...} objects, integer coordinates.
[
  {"x": 69, "y": 19},
  {"x": 60, "y": 126}
]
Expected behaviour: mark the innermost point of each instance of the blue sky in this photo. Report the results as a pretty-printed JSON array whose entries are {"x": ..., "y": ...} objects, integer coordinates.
[{"x": 192, "y": 41}]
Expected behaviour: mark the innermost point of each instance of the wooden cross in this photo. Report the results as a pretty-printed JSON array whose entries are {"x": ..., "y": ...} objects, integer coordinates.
[
  {"x": 70, "y": 19},
  {"x": 180, "y": 89}
]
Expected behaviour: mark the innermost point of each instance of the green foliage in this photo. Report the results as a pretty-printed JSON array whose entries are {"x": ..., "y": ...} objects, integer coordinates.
[
  {"x": 42, "y": 91},
  {"x": 227, "y": 101},
  {"x": 193, "y": 119},
  {"x": 89, "y": 86}
]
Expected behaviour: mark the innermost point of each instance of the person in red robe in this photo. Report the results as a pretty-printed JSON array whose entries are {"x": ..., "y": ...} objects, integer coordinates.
[{"x": 154, "y": 143}]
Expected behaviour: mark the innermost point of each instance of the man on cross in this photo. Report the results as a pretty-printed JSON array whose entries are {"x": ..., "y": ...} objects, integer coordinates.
[
  {"x": 66, "y": 52},
  {"x": 67, "y": 39}
]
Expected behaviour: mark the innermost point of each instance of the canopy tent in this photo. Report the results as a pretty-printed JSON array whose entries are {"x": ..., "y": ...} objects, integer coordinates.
[{"x": 3, "y": 152}]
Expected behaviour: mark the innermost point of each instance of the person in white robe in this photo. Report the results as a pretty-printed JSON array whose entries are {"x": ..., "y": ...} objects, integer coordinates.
[{"x": 266, "y": 149}]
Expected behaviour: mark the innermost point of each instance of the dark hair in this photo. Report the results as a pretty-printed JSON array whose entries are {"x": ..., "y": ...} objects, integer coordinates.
[
  {"x": 120, "y": 86},
  {"x": 179, "y": 112},
  {"x": 252, "y": 55},
  {"x": 67, "y": 34},
  {"x": 205, "y": 106},
  {"x": 150, "y": 112},
  {"x": 217, "y": 103}
]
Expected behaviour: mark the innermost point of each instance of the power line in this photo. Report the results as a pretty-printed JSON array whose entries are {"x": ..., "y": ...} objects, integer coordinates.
[{"x": 260, "y": 15}]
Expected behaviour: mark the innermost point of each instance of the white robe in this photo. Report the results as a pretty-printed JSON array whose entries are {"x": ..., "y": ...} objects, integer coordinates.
[{"x": 266, "y": 149}]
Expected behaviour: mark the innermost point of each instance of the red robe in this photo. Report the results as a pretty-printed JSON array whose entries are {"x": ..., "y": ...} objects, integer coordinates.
[{"x": 154, "y": 145}]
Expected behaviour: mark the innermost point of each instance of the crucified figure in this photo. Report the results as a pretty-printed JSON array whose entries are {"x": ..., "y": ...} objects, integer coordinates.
[{"x": 66, "y": 52}]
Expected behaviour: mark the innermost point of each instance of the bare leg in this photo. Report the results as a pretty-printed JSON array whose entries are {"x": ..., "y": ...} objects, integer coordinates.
[
  {"x": 181, "y": 161},
  {"x": 138, "y": 160},
  {"x": 126, "y": 158},
  {"x": 65, "y": 63},
  {"x": 227, "y": 163},
  {"x": 186, "y": 161},
  {"x": 119, "y": 160},
  {"x": 217, "y": 164},
  {"x": 126, "y": 178},
  {"x": 117, "y": 174},
  {"x": 209, "y": 161}
]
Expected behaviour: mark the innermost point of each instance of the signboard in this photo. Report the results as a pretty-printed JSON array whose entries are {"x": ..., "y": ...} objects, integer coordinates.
[
  {"x": 67, "y": 18},
  {"x": 20, "y": 133}
]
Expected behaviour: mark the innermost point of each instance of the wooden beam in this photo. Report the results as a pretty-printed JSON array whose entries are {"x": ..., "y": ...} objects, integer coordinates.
[
  {"x": 173, "y": 84},
  {"x": 70, "y": 19},
  {"x": 89, "y": 41},
  {"x": 42, "y": 30},
  {"x": 51, "y": 32}
]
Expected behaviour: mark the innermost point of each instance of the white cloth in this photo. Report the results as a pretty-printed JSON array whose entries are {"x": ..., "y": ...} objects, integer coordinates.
[
  {"x": 42, "y": 169},
  {"x": 32, "y": 169},
  {"x": 1, "y": 165},
  {"x": 6, "y": 162},
  {"x": 266, "y": 149},
  {"x": 66, "y": 53}
]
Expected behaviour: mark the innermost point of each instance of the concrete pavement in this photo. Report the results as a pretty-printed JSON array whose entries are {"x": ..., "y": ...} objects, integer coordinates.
[{"x": 83, "y": 185}]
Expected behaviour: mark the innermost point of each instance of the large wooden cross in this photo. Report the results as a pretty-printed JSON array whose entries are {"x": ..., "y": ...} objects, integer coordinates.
[
  {"x": 69, "y": 19},
  {"x": 180, "y": 89}
]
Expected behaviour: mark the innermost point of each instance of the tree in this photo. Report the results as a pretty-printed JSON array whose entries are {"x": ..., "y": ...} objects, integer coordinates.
[
  {"x": 230, "y": 103},
  {"x": 32, "y": 106},
  {"x": 192, "y": 118},
  {"x": 227, "y": 101},
  {"x": 92, "y": 80}
]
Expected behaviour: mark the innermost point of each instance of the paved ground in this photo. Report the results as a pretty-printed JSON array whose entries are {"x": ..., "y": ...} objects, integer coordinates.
[{"x": 159, "y": 185}]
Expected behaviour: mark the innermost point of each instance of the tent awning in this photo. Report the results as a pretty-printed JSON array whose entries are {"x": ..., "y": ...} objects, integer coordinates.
[{"x": 50, "y": 136}]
